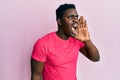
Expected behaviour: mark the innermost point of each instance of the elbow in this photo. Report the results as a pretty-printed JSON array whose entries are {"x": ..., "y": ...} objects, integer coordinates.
[
  {"x": 96, "y": 59},
  {"x": 36, "y": 76}
]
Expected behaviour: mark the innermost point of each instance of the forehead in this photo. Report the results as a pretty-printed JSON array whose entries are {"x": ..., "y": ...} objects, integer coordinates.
[{"x": 70, "y": 12}]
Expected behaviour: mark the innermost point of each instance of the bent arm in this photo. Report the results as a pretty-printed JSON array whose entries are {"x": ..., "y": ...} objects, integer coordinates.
[
  {"x": 36, "y": 69},
  {"x": 90, "y": 51}
]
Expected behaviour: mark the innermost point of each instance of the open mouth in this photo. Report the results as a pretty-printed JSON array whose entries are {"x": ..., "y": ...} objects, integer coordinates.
[{"x": 74, "y": 29}]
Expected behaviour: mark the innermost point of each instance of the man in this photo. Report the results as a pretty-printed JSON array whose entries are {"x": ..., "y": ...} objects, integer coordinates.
[{"x": 55, "y": 55}]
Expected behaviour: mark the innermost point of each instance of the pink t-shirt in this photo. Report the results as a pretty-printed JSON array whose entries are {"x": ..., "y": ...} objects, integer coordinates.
[{"x": 59, "y": 56}]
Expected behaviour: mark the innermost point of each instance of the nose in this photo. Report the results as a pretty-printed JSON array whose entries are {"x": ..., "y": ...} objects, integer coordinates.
[{"x": 75, "y": 20}]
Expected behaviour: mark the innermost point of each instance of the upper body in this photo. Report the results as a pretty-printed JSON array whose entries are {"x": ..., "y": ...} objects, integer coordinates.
[
  {"x": 59, "y": 56},
  {"x": 72, "y": 36}
]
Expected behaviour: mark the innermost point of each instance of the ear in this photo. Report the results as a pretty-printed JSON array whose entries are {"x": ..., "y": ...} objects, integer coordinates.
[{"x": 59, "y": 21}]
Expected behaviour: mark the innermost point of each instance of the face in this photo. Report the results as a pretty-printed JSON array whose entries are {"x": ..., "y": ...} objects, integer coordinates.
[{"x": 69, "y": 21}]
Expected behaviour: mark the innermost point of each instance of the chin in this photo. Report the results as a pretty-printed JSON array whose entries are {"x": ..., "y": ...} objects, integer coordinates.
[{"x": 72, "y": 35}]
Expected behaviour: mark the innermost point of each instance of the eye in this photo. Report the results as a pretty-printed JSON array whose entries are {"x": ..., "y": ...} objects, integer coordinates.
[
  {"x": 76, "y": 16},
  {"x": 73, "y": 17}
]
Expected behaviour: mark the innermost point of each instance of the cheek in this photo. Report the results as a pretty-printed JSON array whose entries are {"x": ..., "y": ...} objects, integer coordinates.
[
  {"x": 67, "y": 30},
  {"x": 67, "y": 25}
]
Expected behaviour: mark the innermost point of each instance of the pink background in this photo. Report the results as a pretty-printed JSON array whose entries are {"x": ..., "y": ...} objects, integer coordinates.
[{"x": 22, "y": 22}]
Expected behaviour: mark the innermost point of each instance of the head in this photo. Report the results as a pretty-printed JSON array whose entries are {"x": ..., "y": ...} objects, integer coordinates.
[{"x": 67, "y": 18}]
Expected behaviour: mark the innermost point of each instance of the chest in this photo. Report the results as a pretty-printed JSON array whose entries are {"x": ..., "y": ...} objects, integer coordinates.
[{"x": 61, "y": 54}]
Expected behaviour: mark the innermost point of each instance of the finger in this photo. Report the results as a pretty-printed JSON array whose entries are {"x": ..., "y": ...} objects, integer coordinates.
[
  {"x": 84, "y": 24},
  {"x": 80, "y": 23},
  {"x": 86, "y": 27},
  {"x": 81, "y": 20},
  {"x": 82, "y": 17}
]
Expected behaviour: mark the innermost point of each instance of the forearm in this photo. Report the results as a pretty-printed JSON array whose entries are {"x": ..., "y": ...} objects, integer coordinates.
[{"x": 92, "y": 51}]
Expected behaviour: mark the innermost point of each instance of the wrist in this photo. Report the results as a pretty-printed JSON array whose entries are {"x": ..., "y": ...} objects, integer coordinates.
[{"x": 87, "y": 41}]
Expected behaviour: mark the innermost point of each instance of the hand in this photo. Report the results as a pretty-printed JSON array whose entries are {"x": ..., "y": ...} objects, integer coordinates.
[{"x": 81, "y": 33}]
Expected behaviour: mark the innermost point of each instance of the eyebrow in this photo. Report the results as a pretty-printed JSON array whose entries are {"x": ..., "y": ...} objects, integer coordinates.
[{"x": 73, "y": 15}]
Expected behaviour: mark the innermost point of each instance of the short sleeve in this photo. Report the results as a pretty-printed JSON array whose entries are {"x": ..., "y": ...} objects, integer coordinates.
[
  {"x": 39, "y": 51},
  {"x": 81, "y": 44}
]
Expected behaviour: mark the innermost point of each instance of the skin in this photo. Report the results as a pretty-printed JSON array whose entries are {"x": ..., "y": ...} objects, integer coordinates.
[{"x": 70, "y": 25}]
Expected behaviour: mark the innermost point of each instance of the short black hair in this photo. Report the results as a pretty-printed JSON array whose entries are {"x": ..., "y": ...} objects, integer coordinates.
[{"x": 62, "y": 8}]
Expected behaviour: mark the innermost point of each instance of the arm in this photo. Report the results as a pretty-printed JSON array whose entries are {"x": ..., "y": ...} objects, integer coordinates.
[
  {"x": 36, "y": 69},
  {"x": 90, "y": 51}
]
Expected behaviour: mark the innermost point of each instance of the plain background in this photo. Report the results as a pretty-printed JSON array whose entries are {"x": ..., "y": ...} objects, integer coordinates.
[{"x": 22, "y": 22}]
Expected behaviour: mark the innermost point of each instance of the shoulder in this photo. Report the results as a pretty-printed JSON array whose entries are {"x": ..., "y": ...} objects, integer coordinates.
[
  {"x": 78, "y": 42},
  {"x": 45, "y": 39}
]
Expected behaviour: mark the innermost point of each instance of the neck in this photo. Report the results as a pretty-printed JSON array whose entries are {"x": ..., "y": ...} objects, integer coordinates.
[{"x": 62, "y": 35}]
